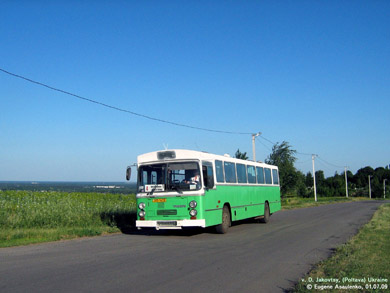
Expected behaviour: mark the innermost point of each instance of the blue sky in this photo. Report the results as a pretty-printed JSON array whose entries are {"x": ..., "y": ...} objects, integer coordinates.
[{"x": 313, "y": 73}]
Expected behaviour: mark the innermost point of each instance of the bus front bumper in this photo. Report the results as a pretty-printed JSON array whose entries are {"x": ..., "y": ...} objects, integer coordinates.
[{"x": 165, "y": 224}]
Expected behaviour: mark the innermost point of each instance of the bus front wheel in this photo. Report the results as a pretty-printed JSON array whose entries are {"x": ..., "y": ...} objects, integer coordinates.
[
  {"x": 265, "y": 219},
  {"x": 224, "y": 226}
]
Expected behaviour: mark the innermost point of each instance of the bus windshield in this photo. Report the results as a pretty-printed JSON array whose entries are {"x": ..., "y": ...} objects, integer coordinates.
[{"x": 180, "y": 177}]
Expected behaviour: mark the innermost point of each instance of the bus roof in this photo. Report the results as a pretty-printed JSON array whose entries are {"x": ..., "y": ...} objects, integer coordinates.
[{"x": 179, "y": 154}]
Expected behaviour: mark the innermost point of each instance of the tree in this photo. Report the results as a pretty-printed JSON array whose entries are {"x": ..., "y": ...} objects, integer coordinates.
[
  {"x": 320, "y": 178},
  {"x": 309, "y": 180},
  {"x": 357, "y": 184},
  {"x": 321, "y": 185},
  {"x": 302, "y": 190},
  {"x": 336, "y": 185},
  {"x": 239, "y": 155},
  {"x": 361, "y": 176},
  {"x": 349, "y": 176},
  {"x": 283, "y": 156}
]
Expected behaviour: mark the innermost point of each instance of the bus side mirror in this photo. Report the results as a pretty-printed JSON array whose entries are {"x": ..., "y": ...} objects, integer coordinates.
[{"x": 128, "y": 173}]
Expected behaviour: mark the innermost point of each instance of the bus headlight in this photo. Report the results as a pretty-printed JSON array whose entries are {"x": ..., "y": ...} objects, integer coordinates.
[
  {"x": 193, "y": 204},
  {"x": 141, "y": 214},
  {"x": 193, "y": 213},
  {"x": 141, "y": 205}
]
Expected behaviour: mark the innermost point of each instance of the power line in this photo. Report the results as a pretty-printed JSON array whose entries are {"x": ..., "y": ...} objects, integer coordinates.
[
  {"x": 330, "y": 164},
  {"x": 273, "y": 143},
  {"x": 309, "y": 160},
  {"x": 327, "y": 167},
  {"x": 153, "y": 118},
  {"x": 304, "y": 154},
  {"x": 265, "y": 146},
  {"x": 266, "y": 139},
  {"x": 120, "y": 109}
]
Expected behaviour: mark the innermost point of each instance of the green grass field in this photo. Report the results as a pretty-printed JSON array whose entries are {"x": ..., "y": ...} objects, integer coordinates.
[
  {"x": 361, "y": 265},
  {"x": 30, "y": 217}
]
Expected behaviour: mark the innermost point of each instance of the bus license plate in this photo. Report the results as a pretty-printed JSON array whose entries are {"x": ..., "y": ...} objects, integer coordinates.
[
  {"x": 167, "y": 223},
  {"x": 159, "y": 200}
]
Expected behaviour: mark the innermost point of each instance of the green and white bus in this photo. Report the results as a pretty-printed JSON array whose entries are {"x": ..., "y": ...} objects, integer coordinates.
[{"x": 184, "y": 188}]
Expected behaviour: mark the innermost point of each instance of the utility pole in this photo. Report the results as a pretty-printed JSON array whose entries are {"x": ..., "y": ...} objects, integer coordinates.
[
  {"x": 253, "y": 145},
  {"x": 384, "y": 188},
  {"x": 346, "y": 181},
  {"x": 313, "y": 156},
  {"x": 369, "y": 185}
]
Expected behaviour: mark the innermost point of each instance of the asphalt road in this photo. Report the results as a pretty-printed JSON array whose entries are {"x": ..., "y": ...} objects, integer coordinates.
[{"x": 252, "y": 257}]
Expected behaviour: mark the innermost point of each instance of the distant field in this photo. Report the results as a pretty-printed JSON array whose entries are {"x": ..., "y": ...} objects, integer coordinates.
[
  {"x": 29, "y": 217},
  {"x": 103, "y": 187}
]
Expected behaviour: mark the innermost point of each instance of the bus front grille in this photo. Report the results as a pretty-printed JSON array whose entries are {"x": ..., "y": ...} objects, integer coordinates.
[{"x": 166, "y": 212}]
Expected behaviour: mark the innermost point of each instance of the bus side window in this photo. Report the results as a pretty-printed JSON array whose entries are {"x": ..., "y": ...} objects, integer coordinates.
[
  {"x": 268, "y": 178},
  {"x": 260, "y": 175},
  {"x": 219, "y": 171},
  {"x": 251, "y": 174},
  {"x": 241, "y": 173},
  {"x": 208, "y": 175},
  {"x": 230, "y": 172},
  {"x": 275, "y": 176}
]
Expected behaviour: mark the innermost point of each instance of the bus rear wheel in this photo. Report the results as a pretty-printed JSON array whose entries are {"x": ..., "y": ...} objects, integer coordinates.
[
  {"x": 226, "y": 223},
  {"x": 265, "y": 219}
]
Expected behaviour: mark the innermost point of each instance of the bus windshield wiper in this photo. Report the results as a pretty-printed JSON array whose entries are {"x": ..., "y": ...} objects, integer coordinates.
[
  {"x": 153, "y": 189},
  {"x": 177, "y": 189}
]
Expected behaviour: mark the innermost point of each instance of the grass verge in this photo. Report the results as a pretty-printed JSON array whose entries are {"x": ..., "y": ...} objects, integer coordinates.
[
  {"x": 16, "y": 237},
  {"x": 361, "y": 265},
  {"x": 289, "y": 203}
]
